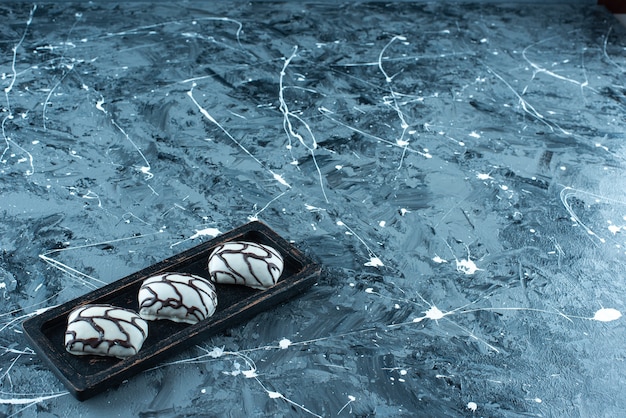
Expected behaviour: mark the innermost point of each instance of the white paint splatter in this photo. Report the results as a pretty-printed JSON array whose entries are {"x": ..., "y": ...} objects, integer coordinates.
[
  {"x": 350, "y": 400},
  {"x": 607, "y": 315},
  {"x": 289, "y": 117},
  {"x": 211, "y": 232},
  {"x": 313, "y": 208},
  {"x": 26, "y": 401},
  {"x": 434, "y": 313},
  {"x": 374, "y": 262},
  {"x": 99, "y": 104},
  {"x": 615, "y": 229},
  {"x": 280, "y": 179},
  {"x": 216, "y": 352},
  {"x": 466, "y": 266},
  {"x": 249, "y": 374},
  {"x": 472, "y": 406},
  {"x": 284, "y": 343},
  {"x": 439, "y": 260}
]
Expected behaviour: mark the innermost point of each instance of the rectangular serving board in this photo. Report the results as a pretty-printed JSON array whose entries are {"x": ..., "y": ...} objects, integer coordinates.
[{"x": 86, "y": 376}]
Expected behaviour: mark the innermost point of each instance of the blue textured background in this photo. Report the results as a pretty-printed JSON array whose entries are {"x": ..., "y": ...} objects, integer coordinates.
[{"x": 457, "y": 169}]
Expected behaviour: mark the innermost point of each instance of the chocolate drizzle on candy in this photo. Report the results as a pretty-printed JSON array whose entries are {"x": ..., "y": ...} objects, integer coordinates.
[
  {"x": 105, "y": 330},
  {"x": 246, "y": 263},
  {"x": 179, "y": 297}
]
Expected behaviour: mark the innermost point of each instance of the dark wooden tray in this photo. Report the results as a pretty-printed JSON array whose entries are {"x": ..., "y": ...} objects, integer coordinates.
[{"x": 86, "y": 376}]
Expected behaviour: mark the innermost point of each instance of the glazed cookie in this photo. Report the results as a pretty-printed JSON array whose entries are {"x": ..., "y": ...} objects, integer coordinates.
[
  {"x": 179, "y": 297},
  {"x": 245, "y": 263},
  {"x": 105, "y": 330}
]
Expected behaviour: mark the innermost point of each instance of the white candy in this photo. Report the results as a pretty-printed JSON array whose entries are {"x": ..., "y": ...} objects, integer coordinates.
[
  {"x": 179, "y": 297},
  {"x": 246, "y": 263},
  {"x": 105, "y": 330}
]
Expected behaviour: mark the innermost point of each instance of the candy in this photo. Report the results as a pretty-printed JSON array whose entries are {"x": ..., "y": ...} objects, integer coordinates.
[
  {"x": 245, "y": 263},
  {"x": 105, "y": 330},
  {"x": 179, "y": 297}
]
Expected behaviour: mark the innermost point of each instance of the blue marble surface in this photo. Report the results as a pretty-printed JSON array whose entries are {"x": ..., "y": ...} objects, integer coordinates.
[{"x": 458, "y": 169}]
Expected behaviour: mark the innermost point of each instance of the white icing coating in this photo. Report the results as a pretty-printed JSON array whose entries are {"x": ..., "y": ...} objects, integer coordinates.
[
  {"x": 246, "y": 263},
  {"x": 179, "y": 297},
  {"x": 105, "y": 330}
]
